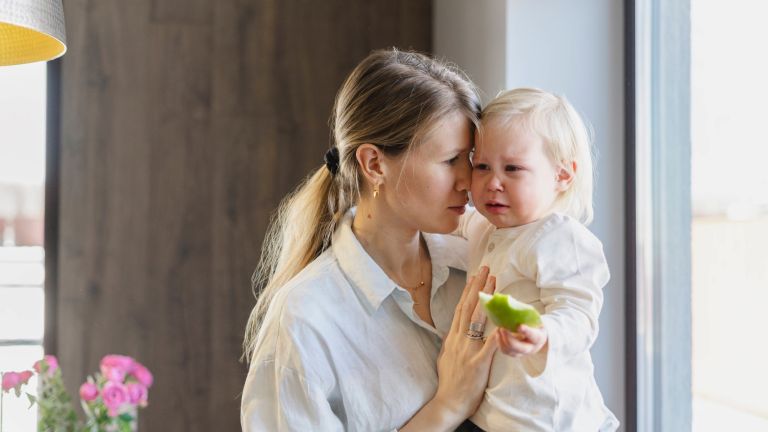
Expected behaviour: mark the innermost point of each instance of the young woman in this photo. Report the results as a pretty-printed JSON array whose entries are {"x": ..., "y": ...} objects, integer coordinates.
[{"x": 361, "y": 323}]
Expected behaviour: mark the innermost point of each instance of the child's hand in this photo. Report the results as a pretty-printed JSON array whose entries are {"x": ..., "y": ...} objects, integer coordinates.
[{"x": 526, "y": 341}]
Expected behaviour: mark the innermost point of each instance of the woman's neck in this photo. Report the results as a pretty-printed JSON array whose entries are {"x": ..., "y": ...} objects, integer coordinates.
[{"x": 396, "y": 249}]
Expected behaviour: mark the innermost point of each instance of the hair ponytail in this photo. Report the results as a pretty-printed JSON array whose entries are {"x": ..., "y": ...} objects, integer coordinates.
[{"x": 299, "y": 231}]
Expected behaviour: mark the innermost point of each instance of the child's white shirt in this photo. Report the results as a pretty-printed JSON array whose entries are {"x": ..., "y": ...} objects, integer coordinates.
[{"x": 557, "y": 266}]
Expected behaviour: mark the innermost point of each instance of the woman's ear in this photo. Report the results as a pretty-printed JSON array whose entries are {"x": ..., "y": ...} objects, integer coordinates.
[
  {"x": 370, "y": 158},
  {"x": 566, "y": 172}
]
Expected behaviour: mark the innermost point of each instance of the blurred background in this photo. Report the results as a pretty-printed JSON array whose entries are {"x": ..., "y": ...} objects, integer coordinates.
[{"x": 175, "y": 127}]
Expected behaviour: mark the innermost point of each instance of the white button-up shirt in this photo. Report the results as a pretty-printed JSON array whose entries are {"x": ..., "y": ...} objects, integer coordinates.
[
  {"x": 557, "y": 266},
  {"x": 341, "y": 347}
]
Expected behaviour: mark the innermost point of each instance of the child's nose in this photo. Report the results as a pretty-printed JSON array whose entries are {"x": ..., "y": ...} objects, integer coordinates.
[{"x": 494, "y": 184}]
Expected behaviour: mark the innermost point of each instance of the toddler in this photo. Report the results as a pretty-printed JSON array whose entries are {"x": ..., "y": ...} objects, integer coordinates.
[{"x": 532, "y": 182}]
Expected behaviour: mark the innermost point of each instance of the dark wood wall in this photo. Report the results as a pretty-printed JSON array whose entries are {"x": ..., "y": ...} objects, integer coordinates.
[{"x": 183, "y": 123}]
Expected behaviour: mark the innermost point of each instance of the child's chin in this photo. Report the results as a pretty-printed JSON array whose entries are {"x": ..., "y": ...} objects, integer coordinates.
[{"x": 492, "y": 218}]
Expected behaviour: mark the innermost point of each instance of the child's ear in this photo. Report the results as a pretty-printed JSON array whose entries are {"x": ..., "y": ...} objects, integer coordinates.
[{"x": 566, "y": 172}]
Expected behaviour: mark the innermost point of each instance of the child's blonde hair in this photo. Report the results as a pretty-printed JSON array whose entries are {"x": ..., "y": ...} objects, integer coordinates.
[{"x": 566, "y": 136}]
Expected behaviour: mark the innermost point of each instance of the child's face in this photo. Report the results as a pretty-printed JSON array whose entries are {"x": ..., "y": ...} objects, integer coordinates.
[{"x": 514, "y": 182}]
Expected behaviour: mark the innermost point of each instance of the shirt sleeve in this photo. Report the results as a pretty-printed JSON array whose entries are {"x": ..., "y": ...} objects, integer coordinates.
[
  {"x": 571, "y": 272},
  {"x": 471, "y": 224},
  {"x": 279, "y": 399}
]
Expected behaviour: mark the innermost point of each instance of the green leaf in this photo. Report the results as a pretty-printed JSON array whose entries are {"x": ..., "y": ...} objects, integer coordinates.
[
  {"x": 125, "y": 427},
  {"x": 32, "y": 400}
]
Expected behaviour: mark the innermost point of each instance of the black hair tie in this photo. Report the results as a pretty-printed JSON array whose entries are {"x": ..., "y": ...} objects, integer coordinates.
[{"x": 332, "y": 160}]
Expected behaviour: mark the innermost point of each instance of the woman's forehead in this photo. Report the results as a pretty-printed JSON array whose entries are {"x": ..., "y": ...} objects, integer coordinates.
[{"x": 449, "y": 135}]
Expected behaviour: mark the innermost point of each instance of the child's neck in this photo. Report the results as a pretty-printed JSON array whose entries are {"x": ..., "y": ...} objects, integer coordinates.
[{"x": 544, "y": 216}]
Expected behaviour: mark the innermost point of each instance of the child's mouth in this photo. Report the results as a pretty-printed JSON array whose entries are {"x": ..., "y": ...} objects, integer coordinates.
[{"x": 496, "y": 208}]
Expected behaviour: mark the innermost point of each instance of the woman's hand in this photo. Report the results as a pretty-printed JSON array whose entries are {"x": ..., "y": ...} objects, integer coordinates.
[
  {"x": 527, "y": 340},
  {"x": 463, "y": 365}
]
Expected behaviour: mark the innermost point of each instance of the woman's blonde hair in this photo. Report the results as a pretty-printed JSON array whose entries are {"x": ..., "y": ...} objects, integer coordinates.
[
  {"x": 566, "y": 137},
  {"x": 391, "y": 99}
]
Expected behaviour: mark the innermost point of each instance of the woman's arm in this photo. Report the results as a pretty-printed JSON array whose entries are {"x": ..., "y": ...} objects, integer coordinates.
[{"x": 462, "y": 367}]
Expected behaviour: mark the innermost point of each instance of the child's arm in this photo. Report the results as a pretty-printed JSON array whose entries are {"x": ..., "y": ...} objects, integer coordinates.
[
  {"x": 571, "y": 273},
  {"x": 570, "y": 270}
]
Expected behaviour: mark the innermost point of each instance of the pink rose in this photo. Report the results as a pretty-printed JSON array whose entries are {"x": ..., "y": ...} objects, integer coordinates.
[
  {"x": 114, "y": 395},
  {"x": 14, "y": 380},
  {"x": 49, "y": 363},
  {"x": 137, "y": 394},
  {"x": 116, "y": 367},
  {"x": 113, "y": 374},
  {"x": 142, "y": 375},
  {"x": 88, "y": 391}
]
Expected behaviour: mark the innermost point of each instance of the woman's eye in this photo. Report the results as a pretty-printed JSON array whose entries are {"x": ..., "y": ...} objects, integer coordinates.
[{"x": 481, "y": 166}]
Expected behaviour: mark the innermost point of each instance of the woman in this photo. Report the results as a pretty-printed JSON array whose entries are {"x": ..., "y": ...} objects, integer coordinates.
[{"x": 358, "y": 299}]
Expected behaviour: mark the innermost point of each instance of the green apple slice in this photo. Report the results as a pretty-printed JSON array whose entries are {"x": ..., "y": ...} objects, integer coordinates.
[{"x": 509, "y": 313}]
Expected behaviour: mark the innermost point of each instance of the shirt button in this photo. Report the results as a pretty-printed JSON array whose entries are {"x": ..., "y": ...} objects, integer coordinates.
[{"x": 491, "y": 246}]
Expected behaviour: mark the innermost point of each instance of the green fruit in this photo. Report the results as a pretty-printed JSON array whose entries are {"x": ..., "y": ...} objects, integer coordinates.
[{"x": 509, "y": 313}]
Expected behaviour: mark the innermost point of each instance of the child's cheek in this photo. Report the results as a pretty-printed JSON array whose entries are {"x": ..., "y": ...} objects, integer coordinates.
[{"x": 475, "y": 188}]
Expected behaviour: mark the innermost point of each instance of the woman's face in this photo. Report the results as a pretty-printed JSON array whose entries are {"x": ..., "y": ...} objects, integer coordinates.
[{"x": 432, "y": 189}]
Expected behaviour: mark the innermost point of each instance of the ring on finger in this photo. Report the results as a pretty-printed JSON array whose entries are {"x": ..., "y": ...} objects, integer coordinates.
[
  {"x": 474, "y": 335},
  {"x": 477, "y": 326}
]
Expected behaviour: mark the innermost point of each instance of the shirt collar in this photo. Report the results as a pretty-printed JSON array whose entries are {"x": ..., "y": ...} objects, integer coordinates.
[{"x": 370, "y": 281}]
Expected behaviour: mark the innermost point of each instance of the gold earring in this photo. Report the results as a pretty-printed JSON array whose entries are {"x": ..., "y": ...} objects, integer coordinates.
[{"x": 375, "y": 191}]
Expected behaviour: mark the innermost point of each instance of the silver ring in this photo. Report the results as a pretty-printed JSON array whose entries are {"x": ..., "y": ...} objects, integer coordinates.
[{"x": 477, "y": 326}]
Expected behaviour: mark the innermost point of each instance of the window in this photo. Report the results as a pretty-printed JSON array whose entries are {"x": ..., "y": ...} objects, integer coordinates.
[
  {"x": 701, "y": 211},
  {"x": 730, "y": 214},
  {"x": 22, "y": 179}
]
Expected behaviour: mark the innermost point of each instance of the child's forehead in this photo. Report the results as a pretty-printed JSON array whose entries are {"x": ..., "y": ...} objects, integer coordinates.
[
  {"x": 506, "y": 131},
  {"x": 507, "y": 123}
]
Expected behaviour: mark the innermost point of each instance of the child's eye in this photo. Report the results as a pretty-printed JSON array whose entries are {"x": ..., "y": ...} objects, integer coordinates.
[
  {"x": 453, "y": 160},
  {"x": 512, "y": 168}
]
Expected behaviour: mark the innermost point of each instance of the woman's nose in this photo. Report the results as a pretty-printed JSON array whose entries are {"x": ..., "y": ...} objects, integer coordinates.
[{"x": 464, "y": 177}]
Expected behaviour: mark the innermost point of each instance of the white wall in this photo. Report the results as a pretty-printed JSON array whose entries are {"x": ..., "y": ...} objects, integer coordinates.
[
  {"x": 574, "y": 49},
  {"x": 472, "y": 35}
]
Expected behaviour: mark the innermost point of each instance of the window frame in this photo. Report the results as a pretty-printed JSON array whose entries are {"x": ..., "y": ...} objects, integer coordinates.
[
  {"x": 52, "y": 193},
  {"x": 658, "y": 166}
]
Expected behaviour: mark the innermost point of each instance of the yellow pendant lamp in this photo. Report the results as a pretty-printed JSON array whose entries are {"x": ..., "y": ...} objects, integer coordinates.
[{"x": 31, "y": 31}]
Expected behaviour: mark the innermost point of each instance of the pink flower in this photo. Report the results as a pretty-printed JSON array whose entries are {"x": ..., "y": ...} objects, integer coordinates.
[
  {"x": 142, "y": 375},
  {"x": 114, "y": 396},
  {"x": 14, "y": 380},
  {"x": 115, "y": 367},
  {"x": 49, "y": 363},
  {"x": 25, "y": 376},
  {"x": 137, "y": 394},
  {"x": 113, "y": 374},
  {"x": 88, "y": 391}
]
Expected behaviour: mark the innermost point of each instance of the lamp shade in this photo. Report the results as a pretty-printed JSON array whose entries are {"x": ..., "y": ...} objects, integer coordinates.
[{"x": 31, "y": 31}]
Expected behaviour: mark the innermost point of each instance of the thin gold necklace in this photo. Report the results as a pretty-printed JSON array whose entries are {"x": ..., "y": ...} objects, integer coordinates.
[{"x": 415, "y": 289}]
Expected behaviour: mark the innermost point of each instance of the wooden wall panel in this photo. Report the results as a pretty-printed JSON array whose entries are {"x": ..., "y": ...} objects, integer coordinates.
[{"x": 183, "y": 124}]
